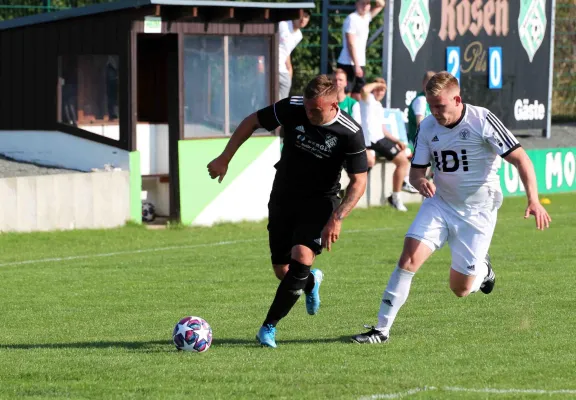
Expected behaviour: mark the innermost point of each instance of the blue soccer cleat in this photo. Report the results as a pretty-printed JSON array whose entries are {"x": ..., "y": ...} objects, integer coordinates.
[
  {"x": 267, "y": 336},
  {"x": 313, "y": 298}
]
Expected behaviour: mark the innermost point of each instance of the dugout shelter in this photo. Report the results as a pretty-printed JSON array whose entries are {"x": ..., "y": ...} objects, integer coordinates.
[{"x": 166, "y": 80}]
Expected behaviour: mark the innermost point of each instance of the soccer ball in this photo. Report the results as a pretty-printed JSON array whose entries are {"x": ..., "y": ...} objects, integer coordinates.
[
  {"x": 148, "y": 212},
  {"x": 192, "y": 334}
]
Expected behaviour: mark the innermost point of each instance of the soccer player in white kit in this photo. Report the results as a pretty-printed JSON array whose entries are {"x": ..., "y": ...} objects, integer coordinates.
[{"x": 461, "y": 205}]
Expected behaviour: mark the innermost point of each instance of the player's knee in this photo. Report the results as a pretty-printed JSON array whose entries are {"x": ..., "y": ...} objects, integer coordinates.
[
  {"x": 407, "y": 263},
  {"x": 460, "y": 291},
  {"x": 280, "y": 270},
  {"x": 303, "y": 255}
]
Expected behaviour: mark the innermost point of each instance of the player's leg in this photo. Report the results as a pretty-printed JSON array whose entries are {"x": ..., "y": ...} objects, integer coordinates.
[
  {"x": 471, "y": 268},
  {"x": 280, "y": 231},
  {"x": 292, "y": 285},
  {"x": 427, "y": 233},
  {"x": 387, "y": 148},
  {"x": 285, "y": 82},
  {"x": 309, "y": 233},
  {"x": 371, "y": 156}
]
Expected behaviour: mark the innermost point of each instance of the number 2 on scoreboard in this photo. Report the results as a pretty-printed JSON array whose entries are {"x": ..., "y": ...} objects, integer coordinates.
[{"x": 453, "y": 61}]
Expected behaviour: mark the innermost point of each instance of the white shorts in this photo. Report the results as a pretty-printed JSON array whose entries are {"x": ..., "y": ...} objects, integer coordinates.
[{"x": 468, "y": 233}]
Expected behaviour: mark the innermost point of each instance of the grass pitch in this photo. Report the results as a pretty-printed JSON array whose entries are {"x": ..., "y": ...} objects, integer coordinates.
[{"x": 89, "y": 315}]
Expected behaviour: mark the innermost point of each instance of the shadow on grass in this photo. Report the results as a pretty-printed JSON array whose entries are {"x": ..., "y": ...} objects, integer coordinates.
[
  {"x": 153, "y": 346},
  {"x": 144, "y": 346},
  {"x": 253, "y": 342}
]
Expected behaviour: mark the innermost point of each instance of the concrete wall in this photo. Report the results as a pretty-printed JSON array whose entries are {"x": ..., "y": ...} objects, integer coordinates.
[{"x": 67, "y": 201}]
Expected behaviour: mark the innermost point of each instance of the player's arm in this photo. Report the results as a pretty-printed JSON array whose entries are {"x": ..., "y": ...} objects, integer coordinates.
[
  {"x": 218, "y": 167},
  {"x": 367, "y": 89},
  {"x": 401, "y": 145},
  {"x": 507, "y": 146},
  {"x": 379, "y": 6},
  {"x": 350, "y": 30},
  {"x": 351, "y": 44},
  {"x": 523, "y": 164},
  {"x": 289, "y": 66},
  {"x": 268, "y": 118},
  {"x": 357, "y": 169},
  {"x": 420, "y": 162}
]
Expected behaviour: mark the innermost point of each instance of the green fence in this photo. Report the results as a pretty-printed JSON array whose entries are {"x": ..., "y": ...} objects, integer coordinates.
[{"x": 307, "y": 55}]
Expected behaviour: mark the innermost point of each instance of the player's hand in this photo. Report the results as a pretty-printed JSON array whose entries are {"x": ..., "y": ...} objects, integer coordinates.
[
  {"x": 218, "y": 167},
  {"x": 426, "y": 188},
  {"x": 331, "y": 233},
  {"x": 540, "y": 214},
  {"x": 358, "y": 71},
  {"x": 401, "y": 145}
]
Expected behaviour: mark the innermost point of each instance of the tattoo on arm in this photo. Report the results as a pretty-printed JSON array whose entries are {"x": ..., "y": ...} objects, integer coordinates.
[{"x": 354, "y": 191}]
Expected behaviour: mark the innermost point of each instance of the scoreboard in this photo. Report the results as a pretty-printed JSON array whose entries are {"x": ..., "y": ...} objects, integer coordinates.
[{"x": 500, "y": 51}]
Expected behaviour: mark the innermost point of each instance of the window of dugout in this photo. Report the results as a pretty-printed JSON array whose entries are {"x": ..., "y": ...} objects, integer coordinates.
[{"x": 226, "y": 78}]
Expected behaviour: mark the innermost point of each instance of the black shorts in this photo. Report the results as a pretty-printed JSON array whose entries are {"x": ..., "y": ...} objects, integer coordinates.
[
  {"x": 297, "y": 222},
  {"x": 355, "y": 84},
  {"x": 385, "y": 148}
]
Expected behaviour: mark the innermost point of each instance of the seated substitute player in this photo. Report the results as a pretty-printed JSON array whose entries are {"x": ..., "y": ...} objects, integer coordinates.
[
  {"x": 461, "y": 204},
  {"x": 380, "y": 142},
  {"x": 305, "y": 214}
]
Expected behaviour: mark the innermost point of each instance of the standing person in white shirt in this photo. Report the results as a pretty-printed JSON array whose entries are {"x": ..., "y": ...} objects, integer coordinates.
[
  {"x": 461, "y": 205},
  {"x": 290, "y": 35},
  {"x": 381, "y": 142},
  {"x": 355, "y": 32}
]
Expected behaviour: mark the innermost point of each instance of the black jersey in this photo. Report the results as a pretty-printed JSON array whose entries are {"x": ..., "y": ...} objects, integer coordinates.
[{"x": 313, "y": 155}]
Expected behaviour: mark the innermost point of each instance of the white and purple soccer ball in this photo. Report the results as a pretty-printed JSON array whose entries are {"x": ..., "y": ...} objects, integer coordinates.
[{"x": 192, "y": 334}]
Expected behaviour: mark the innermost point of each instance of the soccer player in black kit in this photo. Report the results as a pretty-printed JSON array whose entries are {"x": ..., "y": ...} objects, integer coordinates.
[{"x": 305, "y": 213}]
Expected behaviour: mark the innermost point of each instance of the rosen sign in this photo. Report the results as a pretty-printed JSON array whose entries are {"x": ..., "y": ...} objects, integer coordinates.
[{"x": 498, "y": 49}]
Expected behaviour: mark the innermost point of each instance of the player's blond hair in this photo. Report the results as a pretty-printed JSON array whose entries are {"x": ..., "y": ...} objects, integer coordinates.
[
  {"x": 320, "y": 86},
  {"x": 339, "y": 71},
  {"x": 439, "y": 82}
]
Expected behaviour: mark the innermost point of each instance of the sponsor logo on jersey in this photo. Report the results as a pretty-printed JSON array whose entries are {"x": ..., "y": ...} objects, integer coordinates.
[
  {"x": 435, "y": 139},
  {"x": 300, "y": 128},
  {"x": 331, "y": 140},
  {"x": 471, "y": 267}
]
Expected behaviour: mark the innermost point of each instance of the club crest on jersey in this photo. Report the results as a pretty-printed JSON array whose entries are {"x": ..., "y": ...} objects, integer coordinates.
[
  {"x": 331, "y": 141},
  {"x": 464, "y": 134}
]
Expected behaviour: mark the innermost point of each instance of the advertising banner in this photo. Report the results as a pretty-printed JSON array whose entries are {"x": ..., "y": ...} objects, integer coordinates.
[
  {"x": 498, "y": 49},
  {"x": 555, "y": 172}
]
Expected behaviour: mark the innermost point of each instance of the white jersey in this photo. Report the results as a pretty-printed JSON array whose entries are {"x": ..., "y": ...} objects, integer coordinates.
[
  {"x": 359, "y": 26},
  {"x": 289, "y": 39},
  {"x": 465, "y": 157}
]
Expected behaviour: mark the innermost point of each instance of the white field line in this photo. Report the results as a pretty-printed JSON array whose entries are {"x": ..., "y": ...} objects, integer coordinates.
[
  {"x": 410, "y": 392},
  {"x": 151, "y": 250}
]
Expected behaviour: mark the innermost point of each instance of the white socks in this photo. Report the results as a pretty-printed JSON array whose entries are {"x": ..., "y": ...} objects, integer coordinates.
[
  {"x": 393, "y": 298},
  {"x": 481, "y": 272}
]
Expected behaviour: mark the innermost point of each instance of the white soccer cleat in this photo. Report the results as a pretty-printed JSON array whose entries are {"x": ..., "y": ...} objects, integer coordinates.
[{"x": 397, "y": 204}]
